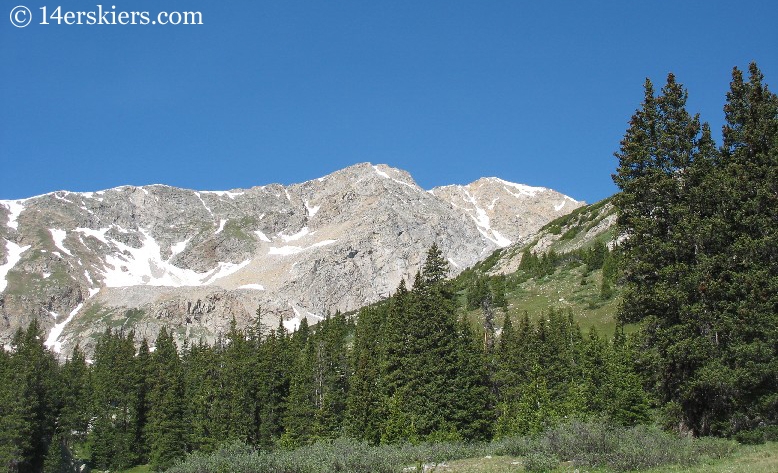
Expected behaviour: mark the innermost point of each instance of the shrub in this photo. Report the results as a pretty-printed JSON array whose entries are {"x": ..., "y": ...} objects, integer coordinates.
[
  {"x": 597, "y": 444},
  {"x": 540, "y": 462}
]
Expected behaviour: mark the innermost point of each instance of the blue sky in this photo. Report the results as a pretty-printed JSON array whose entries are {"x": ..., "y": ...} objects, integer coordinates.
[{"x": 285, "y": 91}]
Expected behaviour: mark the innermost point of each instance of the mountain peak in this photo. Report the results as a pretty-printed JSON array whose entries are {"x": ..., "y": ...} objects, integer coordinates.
[{"x": 152, "y": 256}]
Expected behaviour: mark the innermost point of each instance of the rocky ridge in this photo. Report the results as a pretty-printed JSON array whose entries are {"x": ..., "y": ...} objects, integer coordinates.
[{"x": 146, "y": 257}]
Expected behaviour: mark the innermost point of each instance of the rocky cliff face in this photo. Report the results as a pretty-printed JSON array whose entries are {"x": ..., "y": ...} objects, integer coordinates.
[{"x": 146, "y": 257}]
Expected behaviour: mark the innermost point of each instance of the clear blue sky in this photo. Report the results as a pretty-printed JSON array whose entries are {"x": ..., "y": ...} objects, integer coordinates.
[{"x": 285, "y": 91}]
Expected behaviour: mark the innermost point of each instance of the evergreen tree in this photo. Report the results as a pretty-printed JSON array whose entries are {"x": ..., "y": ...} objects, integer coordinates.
[
  {"x": 331, "y": 370},
  {"x": 73, "y": 422},
  {"x": 239, "y": 385},
  {"x": 58, "y": 458},
  {"x": 627, "y": 402},
  {"x": 363, "y": 404},
  {"x": 272, "y": 373},
  {"x": 166, "y": 429},
  {"x": 736, "y": 316},
  {"x": 15, "y": 425},
  {"x": 142, "y": 378},
  {"x": 112, "y": 436},
  {"x": 206, "y": 407},
  {"x": 531, "y": 411},
  {"x": 700, "y": 259},
  {"x": 301, "y": 408},
  {"x": 470, "y": 396},
  {"x": 29, "y": 401}
]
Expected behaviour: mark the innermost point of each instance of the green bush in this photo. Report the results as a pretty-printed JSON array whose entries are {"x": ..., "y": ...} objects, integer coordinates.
[
  {"x": 342, "y": 455},
  {"x": 597, "y": 444},
  {"x": 540, "y": 462},
  {"x": 589, "y": 444}
]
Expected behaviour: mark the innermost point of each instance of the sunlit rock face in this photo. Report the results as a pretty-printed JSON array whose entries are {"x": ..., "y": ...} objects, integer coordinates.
[{"x": 140, "y": 258}]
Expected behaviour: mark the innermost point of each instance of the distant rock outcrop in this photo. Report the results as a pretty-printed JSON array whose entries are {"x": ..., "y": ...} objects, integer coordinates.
[{"x": 146, "y": 257}]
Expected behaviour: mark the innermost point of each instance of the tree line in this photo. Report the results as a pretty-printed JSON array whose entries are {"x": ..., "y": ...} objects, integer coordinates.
[{"x": 408, "y": 369}]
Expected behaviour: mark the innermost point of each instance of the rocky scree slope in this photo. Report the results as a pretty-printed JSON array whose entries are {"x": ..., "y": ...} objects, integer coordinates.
[{"x": 146, "y": 257}]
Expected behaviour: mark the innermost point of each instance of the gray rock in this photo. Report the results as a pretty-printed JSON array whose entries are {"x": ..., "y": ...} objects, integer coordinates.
[{"x": 146, "y": 257}]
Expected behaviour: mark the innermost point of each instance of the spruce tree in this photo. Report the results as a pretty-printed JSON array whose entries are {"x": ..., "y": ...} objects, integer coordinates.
[
  {"x": 166, "y": 429},
  {"x": 272, "y": 374},
  {"x": 73, "y": 422},
  {"x": 30, "y": 401},
  {"x": 363, "y": 404},
  {"x": 700, "y": 259},
  {"x": 112, "y": 436},
  {"x": 735, "y": 388}
]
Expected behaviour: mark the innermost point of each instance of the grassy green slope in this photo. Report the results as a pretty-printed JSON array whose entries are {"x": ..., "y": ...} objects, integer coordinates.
[{"x": 569, "y": 288}]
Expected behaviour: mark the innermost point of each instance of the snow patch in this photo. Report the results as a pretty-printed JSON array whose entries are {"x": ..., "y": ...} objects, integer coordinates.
[
  {"x": 262, "y": 236},
  {"x": 178, "y": 248},
  {"x": 98, "y": 234},
  {"x": 499, "y": 239},
  {"x": 229, "y": 194},
  {"x": 380, "y": 172},
  {"x": 144, "y": 266},
  {"x": 59, "y": 240},
  {"x": 46, "y": 275},
  {"x": 60, "y": 195},
  {"x": 51, "y": 342},
  {"x": 293, "y": 250},
  {"x": 524, "y": 190},
  {"x": 257, "y": 287},
  {"x": 221, "y": 226},
  {"x": 311, "y": 210},
  {"x": 559, "y": 206},
  {"x": 14, "y": 252},
  {"x": 15, "y": 208},
  {"x": 387, "y": 176},
  {"x": 296, "y": 236},
  {"x": 203, "y": 202},
  {"x": 293, "y": 324}
]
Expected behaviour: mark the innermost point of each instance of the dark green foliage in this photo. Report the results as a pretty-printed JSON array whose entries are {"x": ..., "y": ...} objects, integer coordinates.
[
  {"x": 58, "y": 458},
  {"x": 75, "y": 413},
  {"x": 700, "y": 262},
  {"x": 272, "y": 375},
  {"x": 539, "y": 266},
  {"x": 486, "y": 290},
  {"x": 433, "y": 373},
  {"x": 548, "y": 371},
  {"x": 144, "y": 379},
  {"x": 166, "y": 427},
  {"x": 28, "y": 401},
  {"x": 364, "y": 401},
  {"x": 114, "y": 396}
]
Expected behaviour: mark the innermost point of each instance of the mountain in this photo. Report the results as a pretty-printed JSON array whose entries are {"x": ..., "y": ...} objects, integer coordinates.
[
  {"x": 146, "y": 257},
  {"x": 572, "y": 284}
]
